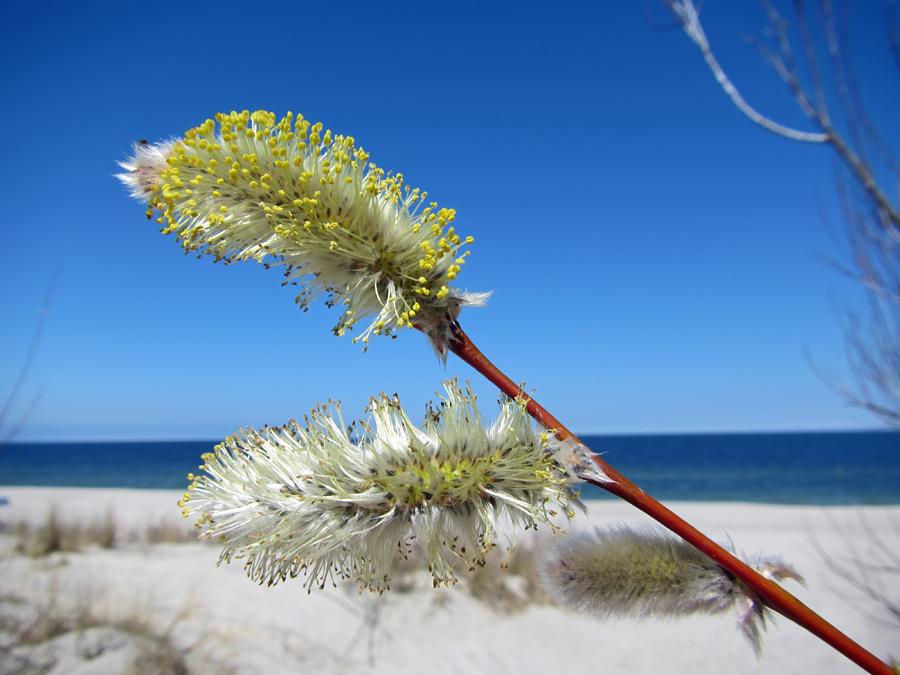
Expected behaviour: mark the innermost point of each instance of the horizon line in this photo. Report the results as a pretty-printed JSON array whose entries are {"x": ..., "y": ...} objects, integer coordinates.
[{"x": 709, "y": 432}]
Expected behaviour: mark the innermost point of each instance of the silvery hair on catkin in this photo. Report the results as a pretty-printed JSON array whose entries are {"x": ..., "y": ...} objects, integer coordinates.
[
  {"x": 634, "y": 573},
  {"x": 644, "y": 573}
]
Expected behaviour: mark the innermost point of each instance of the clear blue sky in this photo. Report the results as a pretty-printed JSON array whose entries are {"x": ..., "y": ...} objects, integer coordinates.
[{"x": 656, "y": 259}]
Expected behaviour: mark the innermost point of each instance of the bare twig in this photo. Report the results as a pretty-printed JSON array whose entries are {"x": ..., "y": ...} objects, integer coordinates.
[
  {"x": 687, "y": 15},
  {"x": 821, "y": 117},
  {"x": 870, "y": 132},
  {"x": 773, "y": 595},
  {"x": 871, "y": 219},
  {"x": 13, "y": 395},
  {"x": 865, "y": 572},
  {"x": 893, "y": 33}
]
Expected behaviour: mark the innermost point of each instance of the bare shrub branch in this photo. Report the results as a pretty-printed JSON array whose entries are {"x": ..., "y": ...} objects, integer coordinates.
[{"x": 866, "y": 166}]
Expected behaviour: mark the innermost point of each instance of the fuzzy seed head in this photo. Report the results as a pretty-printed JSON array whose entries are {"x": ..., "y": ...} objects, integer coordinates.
[{"x": 335, "y": 501}]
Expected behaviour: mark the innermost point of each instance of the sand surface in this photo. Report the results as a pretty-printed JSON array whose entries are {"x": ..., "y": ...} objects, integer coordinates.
[{"x": 131, "y": 607}]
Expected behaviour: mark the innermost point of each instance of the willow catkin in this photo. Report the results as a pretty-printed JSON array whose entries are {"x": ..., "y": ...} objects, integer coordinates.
[
  {"x": 636, "y": 574},
  {"x": 641, "y": 573}
]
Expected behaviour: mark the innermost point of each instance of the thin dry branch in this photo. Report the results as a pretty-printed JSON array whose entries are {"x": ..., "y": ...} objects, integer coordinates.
[
  {"x": 893, "y": 32},
  {"x": 868, "y": 573},
  {"x": 13, "y": 397},
  {"x": 871, "y": 219},
  {"x": 688, "y": 18},
  {"x": 782, "y": 62},
  {"x": 768, "y": 591}
]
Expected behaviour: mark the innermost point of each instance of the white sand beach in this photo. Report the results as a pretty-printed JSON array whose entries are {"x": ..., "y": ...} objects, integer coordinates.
[{"x": 146, "y": 607}]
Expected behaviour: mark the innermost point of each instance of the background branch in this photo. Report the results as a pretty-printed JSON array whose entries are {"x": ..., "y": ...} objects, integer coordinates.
[
  {"x": 689, "y": 20},
  {"x": 13, "y": 396},
  {"x": 871, "y": 218}
]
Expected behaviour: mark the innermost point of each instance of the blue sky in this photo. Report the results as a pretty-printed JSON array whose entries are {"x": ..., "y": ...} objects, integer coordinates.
[{"x": 656, "y": 259}]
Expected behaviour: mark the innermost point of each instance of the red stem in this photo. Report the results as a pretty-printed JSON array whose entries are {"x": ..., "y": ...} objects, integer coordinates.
[{"x": 772, "y": 595}]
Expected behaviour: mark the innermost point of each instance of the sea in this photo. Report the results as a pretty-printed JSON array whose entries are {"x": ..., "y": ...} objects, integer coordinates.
[{"x": 829, "y": 468}]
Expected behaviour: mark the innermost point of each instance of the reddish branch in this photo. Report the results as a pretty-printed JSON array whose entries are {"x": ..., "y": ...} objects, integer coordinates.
[{"x": 772, "y": 595}]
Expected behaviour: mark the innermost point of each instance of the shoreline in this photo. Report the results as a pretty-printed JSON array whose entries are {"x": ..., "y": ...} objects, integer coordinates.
[
  {"x": 812, "y": 467},
  {"x": 139, "y": 503},
  {"x": 223, "y": 619}
]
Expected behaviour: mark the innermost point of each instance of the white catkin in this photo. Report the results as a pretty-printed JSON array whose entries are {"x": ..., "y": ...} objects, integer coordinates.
[
  {"x": 644, "y": 573},
  {"x": 330, "y": 501},
  {"x": 634, "y": 573}
]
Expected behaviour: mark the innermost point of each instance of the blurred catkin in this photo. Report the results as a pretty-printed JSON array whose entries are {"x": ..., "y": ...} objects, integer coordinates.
[{"x": 640, "y": 573}]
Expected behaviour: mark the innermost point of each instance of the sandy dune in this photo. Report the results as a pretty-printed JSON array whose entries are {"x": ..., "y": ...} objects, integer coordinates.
[{"x": 146, "y": 603}]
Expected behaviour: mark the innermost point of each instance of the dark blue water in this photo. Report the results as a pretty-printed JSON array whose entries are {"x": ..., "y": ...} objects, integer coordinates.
[
  {"x": 795, "y": 468},
  {"x": 161, "y": 465},
  {"x": 777, "y": 468}
]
